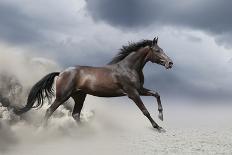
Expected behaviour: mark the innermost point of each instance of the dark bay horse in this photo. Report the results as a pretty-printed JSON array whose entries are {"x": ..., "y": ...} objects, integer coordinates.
[{"x": 123, "y": 76}]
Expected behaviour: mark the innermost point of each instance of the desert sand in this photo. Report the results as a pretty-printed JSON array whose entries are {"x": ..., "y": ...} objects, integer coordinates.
[{"x": 116, "y": 126}]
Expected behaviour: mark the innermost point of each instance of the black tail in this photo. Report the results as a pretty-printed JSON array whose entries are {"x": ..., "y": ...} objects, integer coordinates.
[{"x": 41, "y": 90}]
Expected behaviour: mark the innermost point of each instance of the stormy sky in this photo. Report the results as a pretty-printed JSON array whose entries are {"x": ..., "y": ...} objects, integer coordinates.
[{"x": 196, "y": 34}]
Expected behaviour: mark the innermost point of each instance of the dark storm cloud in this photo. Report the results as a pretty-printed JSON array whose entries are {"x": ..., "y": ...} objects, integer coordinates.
[
  {"x": 123, "y": 13},
  {"x": 211, "y": 16}
]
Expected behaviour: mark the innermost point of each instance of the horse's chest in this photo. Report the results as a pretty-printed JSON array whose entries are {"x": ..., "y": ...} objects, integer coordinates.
[{"x": 131, "y": 78}]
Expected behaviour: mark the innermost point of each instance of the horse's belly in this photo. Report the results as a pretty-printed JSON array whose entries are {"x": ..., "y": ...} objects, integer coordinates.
[
  {"x": 105, "y": 93},
  {"x": 102, "y": 88}
]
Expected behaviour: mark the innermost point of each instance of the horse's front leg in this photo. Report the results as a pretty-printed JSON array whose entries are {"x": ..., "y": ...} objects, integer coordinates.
[
  {"x": 147, "y": 92},
  {"x": 133, "y": 94}
]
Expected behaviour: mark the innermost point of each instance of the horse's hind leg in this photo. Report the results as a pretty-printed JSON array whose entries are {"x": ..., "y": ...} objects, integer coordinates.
[
  {"x": 51, "y": 109},
  {"x": 64, "y": 89},
  {"x": 147, "y": 92},
  {"x": 79, "y": 98}
]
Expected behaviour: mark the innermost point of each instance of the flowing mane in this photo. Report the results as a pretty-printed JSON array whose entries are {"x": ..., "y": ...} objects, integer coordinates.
[{"x": 126, "y": 50}]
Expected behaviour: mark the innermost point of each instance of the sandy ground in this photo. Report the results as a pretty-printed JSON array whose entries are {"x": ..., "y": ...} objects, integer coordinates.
[{"x": 119, "y": 128}]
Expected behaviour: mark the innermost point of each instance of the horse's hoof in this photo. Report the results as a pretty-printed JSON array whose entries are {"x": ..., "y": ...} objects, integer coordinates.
[
  {"x": 161, "y": 117},
  {"x": 77, "y": 118},
  {"x": 161, "y": 130}
]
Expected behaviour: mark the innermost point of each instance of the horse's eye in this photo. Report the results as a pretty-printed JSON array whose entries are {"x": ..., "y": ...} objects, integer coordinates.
[{"x": 157, "y": 51}]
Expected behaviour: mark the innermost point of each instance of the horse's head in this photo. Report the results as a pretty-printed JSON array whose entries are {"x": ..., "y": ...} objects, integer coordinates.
[{"x": 158, "y": 56}]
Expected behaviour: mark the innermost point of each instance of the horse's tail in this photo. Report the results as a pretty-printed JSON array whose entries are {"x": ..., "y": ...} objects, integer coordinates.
[{"x": 41, "y": 90}]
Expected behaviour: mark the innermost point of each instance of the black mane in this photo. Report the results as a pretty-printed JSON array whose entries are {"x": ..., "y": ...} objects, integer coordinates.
[{"x": 126, "y": 50}]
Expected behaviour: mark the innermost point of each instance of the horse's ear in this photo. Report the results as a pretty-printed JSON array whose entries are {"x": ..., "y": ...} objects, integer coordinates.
[{"x": 155, "y": 41}]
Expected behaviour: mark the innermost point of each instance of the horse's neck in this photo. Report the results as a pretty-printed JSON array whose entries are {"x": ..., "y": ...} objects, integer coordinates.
[{"x": 136, "y": 60}]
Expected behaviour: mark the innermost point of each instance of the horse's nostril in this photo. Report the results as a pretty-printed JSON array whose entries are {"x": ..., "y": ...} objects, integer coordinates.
[{"x": 170, "y": 63}]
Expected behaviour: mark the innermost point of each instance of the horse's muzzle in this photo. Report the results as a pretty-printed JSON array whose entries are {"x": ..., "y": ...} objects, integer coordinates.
[{"x": 169, "y": 65}]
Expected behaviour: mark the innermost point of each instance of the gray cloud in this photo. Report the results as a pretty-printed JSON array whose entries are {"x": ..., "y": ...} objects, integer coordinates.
[
  {"x": 211, "y": 16},
  {"x": 17, "y": 27},
  {"x": 173, "y": 85}
]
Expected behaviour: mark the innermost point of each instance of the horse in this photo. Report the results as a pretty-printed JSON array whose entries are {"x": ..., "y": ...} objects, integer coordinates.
[{"x": 122, "y": 76}]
